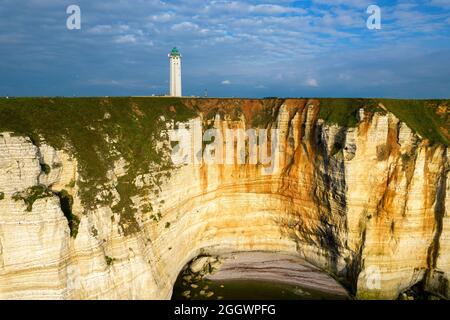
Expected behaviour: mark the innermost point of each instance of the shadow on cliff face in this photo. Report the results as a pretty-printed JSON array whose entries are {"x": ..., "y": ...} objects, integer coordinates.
[
  {"x": 328, "y": 192},
  {"x": 66, "y": 201},
  {"x": 334, "y": 195},
  {"x": 434, "y": 280}
]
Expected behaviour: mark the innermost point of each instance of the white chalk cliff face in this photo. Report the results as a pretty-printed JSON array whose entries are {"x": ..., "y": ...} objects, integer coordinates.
[{"x": 367, "y": 204}]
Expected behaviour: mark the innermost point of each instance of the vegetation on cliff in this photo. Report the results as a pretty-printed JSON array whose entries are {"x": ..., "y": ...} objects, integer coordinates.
[
  {"x": 99, "y": 131},
  {"x": 344, "y": 111},
  {"x": 32, "y": 194},
  {"x": 429, "y": 118}
]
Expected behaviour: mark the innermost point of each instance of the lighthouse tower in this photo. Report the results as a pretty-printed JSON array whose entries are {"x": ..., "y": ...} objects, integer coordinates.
[{"x": 175, "y": 73}]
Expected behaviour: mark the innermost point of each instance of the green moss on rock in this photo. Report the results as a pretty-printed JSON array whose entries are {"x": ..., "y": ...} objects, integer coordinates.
[{"x": 30, "y": 195}]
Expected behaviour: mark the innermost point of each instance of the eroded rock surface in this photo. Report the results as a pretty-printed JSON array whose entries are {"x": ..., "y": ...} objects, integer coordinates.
[{"x": 367, "y": 204}]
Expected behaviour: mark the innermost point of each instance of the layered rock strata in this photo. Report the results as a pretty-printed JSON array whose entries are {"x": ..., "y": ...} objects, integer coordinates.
[{"x": 367, "y": 204}]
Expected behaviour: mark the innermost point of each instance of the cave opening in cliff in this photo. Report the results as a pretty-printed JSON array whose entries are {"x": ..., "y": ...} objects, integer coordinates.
[{"x": 255, "y": 275}]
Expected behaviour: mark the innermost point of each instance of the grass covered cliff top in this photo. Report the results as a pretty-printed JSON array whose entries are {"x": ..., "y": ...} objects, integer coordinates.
[
  {"x": 99, "y": 131},
  {"x": 429, "y": 118},
  {"x": 61, "y": 119}
]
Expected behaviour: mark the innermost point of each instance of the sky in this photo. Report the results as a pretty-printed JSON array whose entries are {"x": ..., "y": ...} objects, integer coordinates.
[{"x": 317, "y": 48}]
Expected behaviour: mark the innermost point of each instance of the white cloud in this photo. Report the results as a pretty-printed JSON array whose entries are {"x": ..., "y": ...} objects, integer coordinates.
[
  {"x": 129, "y": 38},
  {"x": 185, "y": 26},
  {"x": 243, "y": 8},
  {"x": 163, "y": 17},
  {"x": 226, "y": 82},
  {"x": 272, "y": 9},
  {"x": 350, "y": 3},
  {"x": 124, "y": 27},
  {"x": 440, "y": 3},
  {"x": 105, "y": 29},
  {"x": 101, "y": 29},
  {"x": 311, "y": 82}
]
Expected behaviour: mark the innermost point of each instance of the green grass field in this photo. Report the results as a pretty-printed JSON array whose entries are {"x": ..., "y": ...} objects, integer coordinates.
[{"x": 422, "y": 116}]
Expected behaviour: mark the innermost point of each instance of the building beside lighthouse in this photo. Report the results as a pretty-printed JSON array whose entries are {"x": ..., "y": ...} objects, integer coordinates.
[{"x": 175, "y": 73}]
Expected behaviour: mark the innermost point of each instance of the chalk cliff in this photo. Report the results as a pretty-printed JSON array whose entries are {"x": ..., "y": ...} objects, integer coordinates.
[{"x": 365, "y": 200}]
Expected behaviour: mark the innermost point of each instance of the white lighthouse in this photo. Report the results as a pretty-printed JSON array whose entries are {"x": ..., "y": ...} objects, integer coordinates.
[{"x": 175, "y": 73}]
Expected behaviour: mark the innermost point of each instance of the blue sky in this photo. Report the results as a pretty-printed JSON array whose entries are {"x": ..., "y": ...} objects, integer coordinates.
[{"x": 318, "y": 48}]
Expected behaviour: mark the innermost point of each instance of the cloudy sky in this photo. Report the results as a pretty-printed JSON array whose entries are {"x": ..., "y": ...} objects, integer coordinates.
[{"x": 231, "y": 48}]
